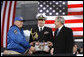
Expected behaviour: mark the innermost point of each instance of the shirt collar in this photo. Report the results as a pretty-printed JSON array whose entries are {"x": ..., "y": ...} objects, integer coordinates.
[
  {"x": 40, "y": 27},
  {"x": 60, "y": 28}
]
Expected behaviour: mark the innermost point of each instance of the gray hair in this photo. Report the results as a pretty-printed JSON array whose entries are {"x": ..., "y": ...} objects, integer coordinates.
[{"x": 61, "y": 19}]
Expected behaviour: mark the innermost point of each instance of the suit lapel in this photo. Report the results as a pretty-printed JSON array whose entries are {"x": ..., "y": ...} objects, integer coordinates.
[
  {"x": 44, "y": 29},
  {"x": 60, "y": 31},
  {"x": 37, "y": 29}
]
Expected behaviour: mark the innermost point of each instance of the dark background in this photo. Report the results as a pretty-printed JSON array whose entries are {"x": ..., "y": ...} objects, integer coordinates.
[{"x": 28, "y": 12}]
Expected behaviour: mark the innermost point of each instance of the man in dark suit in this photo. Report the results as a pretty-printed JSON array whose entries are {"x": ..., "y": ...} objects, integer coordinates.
[
  {"x": 63, "y": 38},
  {"x": 40, "y": 33}
]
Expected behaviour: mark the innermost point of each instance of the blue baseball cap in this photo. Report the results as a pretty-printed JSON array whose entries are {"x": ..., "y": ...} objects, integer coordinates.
[{"x": 18, "y": 19}]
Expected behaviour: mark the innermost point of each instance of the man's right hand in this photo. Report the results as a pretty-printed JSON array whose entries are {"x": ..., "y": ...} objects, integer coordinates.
[
  {"x": 31, "y": 50},
  {"x": 32, "y": 43}
]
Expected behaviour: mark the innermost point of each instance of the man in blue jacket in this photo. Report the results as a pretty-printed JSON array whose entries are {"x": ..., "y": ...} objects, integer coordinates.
[{"x": 16, "y": 40}]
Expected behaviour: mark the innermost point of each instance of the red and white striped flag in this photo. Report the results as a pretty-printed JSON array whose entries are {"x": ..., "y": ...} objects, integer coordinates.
[
  {"x": 7, "y": 18},
  {"x": 73, "y": 20}
]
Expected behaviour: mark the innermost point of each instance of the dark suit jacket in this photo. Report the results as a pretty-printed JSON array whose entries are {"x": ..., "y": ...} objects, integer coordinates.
[
  {"x": 63, "y": 43},
  {"x": 45, "y": 35}
]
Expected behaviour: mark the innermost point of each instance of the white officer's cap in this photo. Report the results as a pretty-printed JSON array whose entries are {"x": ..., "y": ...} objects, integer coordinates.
[{"x": 41, "y": 16}]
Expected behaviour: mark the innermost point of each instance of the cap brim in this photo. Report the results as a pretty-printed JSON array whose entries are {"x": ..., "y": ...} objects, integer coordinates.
[
  {"x": 21, "y": 20},
  {"x": 24, "y": 20},
  {"x": 41, "y": 19}
]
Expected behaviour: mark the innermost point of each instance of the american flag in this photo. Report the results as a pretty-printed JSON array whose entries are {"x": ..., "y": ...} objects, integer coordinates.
[
  {"x": 8, "y": 9},
  {"x": 72, "y": 11},
  {"x": 53, "y": 8}
]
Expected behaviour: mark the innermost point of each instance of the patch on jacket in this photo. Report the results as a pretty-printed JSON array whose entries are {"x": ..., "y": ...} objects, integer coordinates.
[{"x": 15, "y": 31}]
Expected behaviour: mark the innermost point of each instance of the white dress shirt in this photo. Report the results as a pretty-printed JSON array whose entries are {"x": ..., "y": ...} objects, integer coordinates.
[
  {"x": 60, "y": 28},
  {"x": 41, "y": 27}
]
